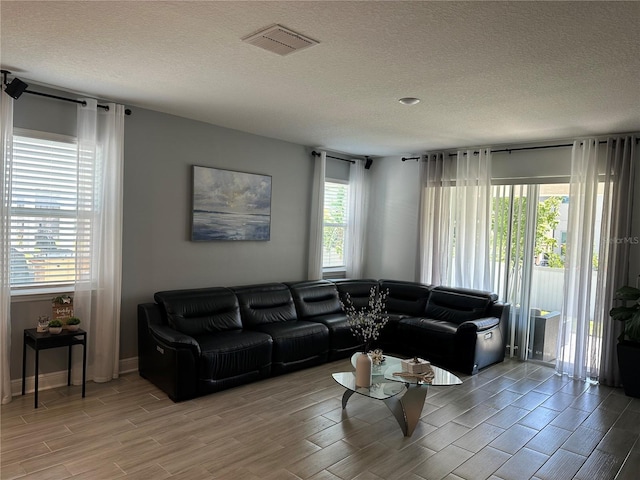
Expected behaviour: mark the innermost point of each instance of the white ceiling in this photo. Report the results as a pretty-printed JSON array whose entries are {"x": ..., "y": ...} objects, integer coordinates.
[{"x": 488, "y": 73}]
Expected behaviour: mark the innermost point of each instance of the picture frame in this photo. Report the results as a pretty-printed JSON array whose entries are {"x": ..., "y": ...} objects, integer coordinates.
[{"x": 230, "y": 205}]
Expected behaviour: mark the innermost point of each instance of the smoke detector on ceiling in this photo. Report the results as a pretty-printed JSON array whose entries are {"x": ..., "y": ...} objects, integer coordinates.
[{"x": 280, "y": 40}]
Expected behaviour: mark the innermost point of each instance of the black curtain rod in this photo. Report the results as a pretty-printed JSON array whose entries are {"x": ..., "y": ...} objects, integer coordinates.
[
  {"x": 317, "y": 154},
  {"x": 509, "y": 150},
  {"x": 81, "y": 102}
]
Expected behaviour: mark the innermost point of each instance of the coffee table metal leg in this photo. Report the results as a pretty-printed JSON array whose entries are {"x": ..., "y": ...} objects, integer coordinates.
[
  {"x": 395, "y": 405},
  {"x": 413, "y": 402},
  {"x": 408, "y": 408},
  {"x": 345, "y": 397}
]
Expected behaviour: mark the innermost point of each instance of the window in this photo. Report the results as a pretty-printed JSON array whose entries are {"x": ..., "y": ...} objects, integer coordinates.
[
  {"x": 44, "y": 205},
  {"x": 335, "y": 225}
]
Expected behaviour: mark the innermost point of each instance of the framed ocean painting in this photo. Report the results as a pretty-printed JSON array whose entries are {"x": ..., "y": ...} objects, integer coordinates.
[{"x": 230, "y": 205}]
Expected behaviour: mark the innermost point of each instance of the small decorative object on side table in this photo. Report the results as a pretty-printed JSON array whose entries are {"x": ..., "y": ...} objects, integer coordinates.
[
  {"x": 43, "y": 324},
  {"x": 365, "y": 324},
  {"x": 62, "y": 307}
]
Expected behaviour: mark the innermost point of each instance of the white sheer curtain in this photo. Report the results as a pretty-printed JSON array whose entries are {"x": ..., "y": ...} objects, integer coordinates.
[
  {"x": 455, "y": 219},
  {"x": 587, "y": 337},
  {"x": 472, "y": 219},
  {"x": 575, "y": 342},
  {"x": 434, "y": 232},
  {"x": 316, "y": 218},
  {"x": 99, "y": 268},
  {"x": 6, "y": 145},
  {"x": 614, "y": 247},
  {"x": 357, "y": 219}
]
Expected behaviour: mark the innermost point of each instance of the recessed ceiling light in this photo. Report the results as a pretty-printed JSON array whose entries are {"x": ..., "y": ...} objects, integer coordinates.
[{"x": 409, "y": 100}]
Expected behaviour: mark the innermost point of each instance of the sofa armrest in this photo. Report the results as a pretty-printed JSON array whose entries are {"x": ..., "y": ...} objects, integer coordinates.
[
  {"x": 479, "y": 342},
  {"x": 166, "y": 357},
  {"x": 479, "y": 324},
  {"x": 175, "y": 339}
]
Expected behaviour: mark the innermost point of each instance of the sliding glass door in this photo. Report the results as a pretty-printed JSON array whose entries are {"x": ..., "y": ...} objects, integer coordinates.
[
  {"x": 529, "y": 232},
  {"x": 512, "y": 241}
]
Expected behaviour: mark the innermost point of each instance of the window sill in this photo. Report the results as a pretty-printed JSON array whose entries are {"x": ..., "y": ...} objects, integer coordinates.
[
  {"x": 334, "y": 272},
  {"x": 39, "y": 294}
]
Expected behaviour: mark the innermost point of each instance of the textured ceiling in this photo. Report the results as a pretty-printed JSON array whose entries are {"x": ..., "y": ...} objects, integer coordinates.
[{"x": 488, "y": 73}]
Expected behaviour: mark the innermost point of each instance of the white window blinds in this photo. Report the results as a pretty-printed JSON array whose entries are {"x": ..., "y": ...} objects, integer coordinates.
[
  {"x": 335, "y": 224},
  {"x": 44, "y": 204}
]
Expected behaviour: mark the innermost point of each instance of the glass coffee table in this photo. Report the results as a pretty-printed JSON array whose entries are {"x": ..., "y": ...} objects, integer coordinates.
[{"x": 403, "y": 396}]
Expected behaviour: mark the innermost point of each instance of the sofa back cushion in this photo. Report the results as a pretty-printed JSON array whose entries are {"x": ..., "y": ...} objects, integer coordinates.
[
  {"x": 314, "y": 298},
  {"x": 406, "y": 298},
  {"x": 358, "y": 290},
  {"x": 458, "y": 305},
  {"x": 198, "y": 311},
  {"x": 265, "y": 303}
]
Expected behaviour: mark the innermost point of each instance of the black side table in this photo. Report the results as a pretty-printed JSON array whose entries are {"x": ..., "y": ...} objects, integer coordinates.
[{"x": 43, "y": 341}]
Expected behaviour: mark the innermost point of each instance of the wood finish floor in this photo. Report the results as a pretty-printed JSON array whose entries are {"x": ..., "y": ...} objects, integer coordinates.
[{"x": 513, "y": 421}]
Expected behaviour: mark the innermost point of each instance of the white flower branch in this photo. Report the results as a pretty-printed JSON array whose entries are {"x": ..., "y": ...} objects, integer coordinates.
[{"x": 366, "y": 323}]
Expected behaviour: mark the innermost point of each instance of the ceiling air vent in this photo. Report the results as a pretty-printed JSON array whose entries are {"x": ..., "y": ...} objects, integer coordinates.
[{"x": 280, "y": 40}]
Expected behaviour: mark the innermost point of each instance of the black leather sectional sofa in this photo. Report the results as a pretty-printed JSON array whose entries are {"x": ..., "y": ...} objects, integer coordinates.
[{"x": 198, "y": 341}]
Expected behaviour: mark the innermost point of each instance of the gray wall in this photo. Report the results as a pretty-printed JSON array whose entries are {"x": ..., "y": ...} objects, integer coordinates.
[
  {"x": 160, "y": 150},
  {"x": 392, "y": 240},
  {"x": 157, "y": 253},
  {"x": 337, "y": 169}
]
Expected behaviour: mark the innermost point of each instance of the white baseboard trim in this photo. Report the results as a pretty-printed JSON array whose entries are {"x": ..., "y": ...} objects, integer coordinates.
[
  {"x": 59, "y": 379},
  {"x": 128, "y": 365}
]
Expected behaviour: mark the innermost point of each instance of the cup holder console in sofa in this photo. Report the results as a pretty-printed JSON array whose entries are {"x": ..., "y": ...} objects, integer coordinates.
[{"x": 197, "y": 341}]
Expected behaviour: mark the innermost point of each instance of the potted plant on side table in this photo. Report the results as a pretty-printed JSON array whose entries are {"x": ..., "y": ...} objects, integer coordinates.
[
  {"x": 73, "y": 324},
  {"x": 55, "y": 327},
  {"x": 629, "y": 339}
]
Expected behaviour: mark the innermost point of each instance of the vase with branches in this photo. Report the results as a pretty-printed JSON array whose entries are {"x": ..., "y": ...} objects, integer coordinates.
[{"x": 367, "y": 322}]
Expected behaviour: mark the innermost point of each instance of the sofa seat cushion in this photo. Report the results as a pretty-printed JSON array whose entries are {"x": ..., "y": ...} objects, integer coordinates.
[
  {"x": 428, "y": 326},
  {"x": 341, "y": 338},
  {"x": 233, "y": 353},
  {"x": 394, "y": 319},
  {"x": 388, "y": 335},
  {"x": 432, "y": 339},
  {"x": 296, "y": 341}
]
